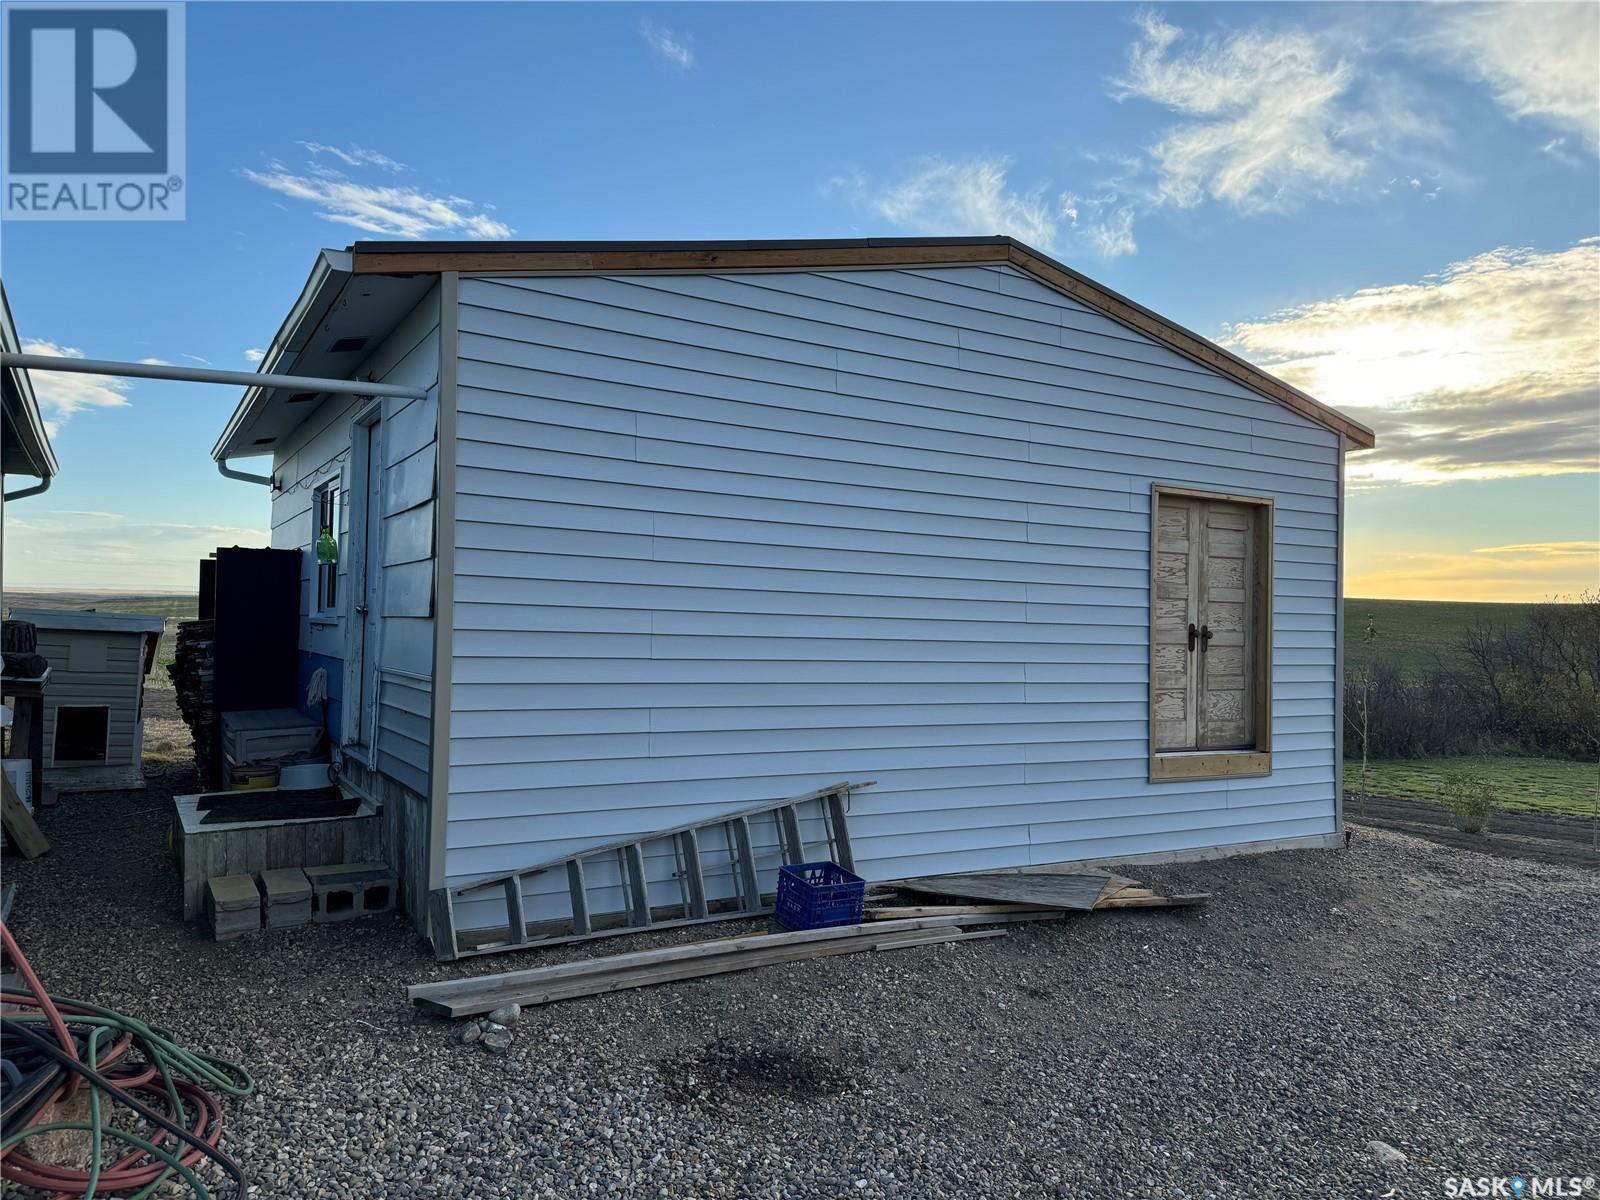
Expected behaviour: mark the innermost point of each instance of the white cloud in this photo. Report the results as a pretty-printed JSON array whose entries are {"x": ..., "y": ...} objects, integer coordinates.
[
  {"x": 1268, "y": 124},
  {"x": 1540, "y": 59},
  {"x": 61, "y": 395},
  {"x": 1588, "y": 550},
  {"x": 1556, "y": 148},
  {"x": 255, "y": 355},
  {"x": 1485, "y": 370},
  {"x": 1112, "y": 237},
  {"x": 668, "y": 45},
  {"x": 966, "y": 197},
  {"x": 356, "y": 156},
  {"x": 385, "y": 211},
  {"x": 69, "y": 548}
]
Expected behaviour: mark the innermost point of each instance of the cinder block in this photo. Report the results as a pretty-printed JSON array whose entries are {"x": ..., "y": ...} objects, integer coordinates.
[
  {"x": 348, "y": 890},
  {"x": 288, "y": 894},
  {"x": 233, "y": 905}
]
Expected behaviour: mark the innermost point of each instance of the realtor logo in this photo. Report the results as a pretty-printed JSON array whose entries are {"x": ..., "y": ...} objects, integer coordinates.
[{"x": 94, "y": 113}]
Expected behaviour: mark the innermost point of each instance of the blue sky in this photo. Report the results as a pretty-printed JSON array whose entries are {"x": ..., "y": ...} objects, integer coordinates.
[{"x": 1395, "y": 207}]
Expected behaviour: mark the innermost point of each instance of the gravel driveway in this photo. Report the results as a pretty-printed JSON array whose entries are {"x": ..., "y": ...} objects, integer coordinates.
[{"x": 1443, "y": 1001}]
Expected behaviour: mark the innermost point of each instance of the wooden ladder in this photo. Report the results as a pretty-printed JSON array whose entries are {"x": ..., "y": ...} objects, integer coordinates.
[{"x": 686, "y": 843}]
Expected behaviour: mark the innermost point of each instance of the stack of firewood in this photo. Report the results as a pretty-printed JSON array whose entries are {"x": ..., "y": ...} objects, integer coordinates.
[{"x": 191, "y": 672}]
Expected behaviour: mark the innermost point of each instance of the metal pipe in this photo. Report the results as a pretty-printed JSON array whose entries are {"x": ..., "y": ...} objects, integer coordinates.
[
  {"x": 243, "y": 476},
  {"x": 22, "y": 493},
  {"x": 250, "y": 379}
]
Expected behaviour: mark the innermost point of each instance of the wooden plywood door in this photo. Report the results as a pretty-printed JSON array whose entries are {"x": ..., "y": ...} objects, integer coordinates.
[
  {"x": 1203, "y": 624},
  {"x": 1225, "y": 566},
  {"x": 1175, "y": 600}
]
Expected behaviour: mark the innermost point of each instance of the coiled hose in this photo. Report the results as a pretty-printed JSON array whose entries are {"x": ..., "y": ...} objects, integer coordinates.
[{"x": 140, "y": 1067}]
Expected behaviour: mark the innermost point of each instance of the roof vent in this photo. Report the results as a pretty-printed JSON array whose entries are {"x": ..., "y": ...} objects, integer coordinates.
[
  {"x": 303, "y": 397},
  {"x": 347, "y": 345},
  {"x": 265, "y": 441}
]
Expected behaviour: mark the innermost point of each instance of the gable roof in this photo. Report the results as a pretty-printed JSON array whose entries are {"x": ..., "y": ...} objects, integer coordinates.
[
  {"x": 594, "y": 258},
  {"x": 370, "y": 283}
]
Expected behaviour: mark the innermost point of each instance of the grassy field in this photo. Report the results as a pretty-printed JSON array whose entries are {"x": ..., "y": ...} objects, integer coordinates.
[
  {"x": 173, "y": 608},
  {"x": 1416, "y": 634},
  {"x": 1545, "y": 785}
]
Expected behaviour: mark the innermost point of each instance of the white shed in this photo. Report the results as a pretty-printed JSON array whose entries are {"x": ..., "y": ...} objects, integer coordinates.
[
  {"x": 684, "y": 527},
  {"x": 94, "y": 706}
]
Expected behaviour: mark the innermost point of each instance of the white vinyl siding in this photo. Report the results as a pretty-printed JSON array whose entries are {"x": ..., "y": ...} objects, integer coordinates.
[
  {"x": 320, "y": 448},
  {"x": 727, "y": 538}
]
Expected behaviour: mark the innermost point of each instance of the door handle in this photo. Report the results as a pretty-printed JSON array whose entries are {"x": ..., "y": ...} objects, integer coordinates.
[
  {"x": 1205, "y": 637},
  {"x": 1194, "y": 633}
]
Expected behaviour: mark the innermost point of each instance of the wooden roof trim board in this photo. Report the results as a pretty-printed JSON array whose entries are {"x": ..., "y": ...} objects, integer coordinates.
[{"x": 604, "y": 258}]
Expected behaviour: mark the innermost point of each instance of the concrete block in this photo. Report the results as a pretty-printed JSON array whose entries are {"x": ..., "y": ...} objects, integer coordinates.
[
  {"x": 233, "y": 905},
  {"x": 349, "y": 890},
  {"x": 288, "y": 894}
]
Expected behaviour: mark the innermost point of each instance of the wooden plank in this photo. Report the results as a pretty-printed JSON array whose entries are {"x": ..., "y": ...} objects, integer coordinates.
[
  {"x": 566, "y": 259},
  {"x": 954, "y": 910},
  {"x": 1224, "y": 713},
  {"x": 601, "y": 983},
  {"x": 1079, "y": 890},
  {"x": 736, "y": 944},
  {"x": 1188, "y": 901},
  {"x": 20, "y": 826},
  {"x": 1173, "y": 611},
  {"x": 1209, "y": 765},
  {"x": 1122, "y": 892},
  {"x": 442, "y": 925}
]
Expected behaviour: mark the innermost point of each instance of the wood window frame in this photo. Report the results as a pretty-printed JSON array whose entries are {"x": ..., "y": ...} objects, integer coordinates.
[{"x": 1168, "y": 766}]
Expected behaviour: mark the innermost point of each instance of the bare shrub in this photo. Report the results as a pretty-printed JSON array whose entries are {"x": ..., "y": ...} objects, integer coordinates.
[{"x": 1468, "y": 796}]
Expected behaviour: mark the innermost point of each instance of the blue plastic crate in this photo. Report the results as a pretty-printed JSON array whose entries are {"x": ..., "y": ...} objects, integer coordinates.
[{"x": 816, "y": 895}]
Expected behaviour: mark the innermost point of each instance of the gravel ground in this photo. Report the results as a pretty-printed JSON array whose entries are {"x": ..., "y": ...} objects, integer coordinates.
[{"x": 1440, "y": 1000}]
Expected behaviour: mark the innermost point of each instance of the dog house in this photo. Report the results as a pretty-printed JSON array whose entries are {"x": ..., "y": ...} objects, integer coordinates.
[{"x": 94, "y": 708}]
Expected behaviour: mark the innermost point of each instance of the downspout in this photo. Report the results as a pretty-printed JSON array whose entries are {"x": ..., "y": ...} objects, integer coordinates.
[
  {"x": 243, "y": 476},
  {"x": 42, "y": 486}
]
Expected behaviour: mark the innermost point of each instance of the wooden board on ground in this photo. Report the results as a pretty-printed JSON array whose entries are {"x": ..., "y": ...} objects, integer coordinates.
[
  {"x": 1189, "y": 901},
  {"x": 594, "y": 977},
  {"x": 895, "y": 913},
  {"x": 20, "y": 826},
  {"x": 1080, "y": 891}
]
